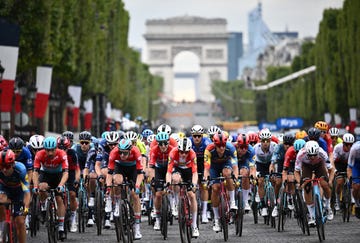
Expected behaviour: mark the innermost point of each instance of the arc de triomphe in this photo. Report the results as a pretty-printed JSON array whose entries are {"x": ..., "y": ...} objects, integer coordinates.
[{"x": 206, "y": 38}]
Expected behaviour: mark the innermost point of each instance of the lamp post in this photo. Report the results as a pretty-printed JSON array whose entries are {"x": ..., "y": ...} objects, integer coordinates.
[{"x": 2, "y": 70}]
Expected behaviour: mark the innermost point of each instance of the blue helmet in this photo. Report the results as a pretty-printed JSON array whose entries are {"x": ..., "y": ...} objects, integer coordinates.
[
  {"x": 146, "y": 133},
  {"x": 50, "y": 143},
  {"x": 299, "y": 144},
  {"x": 103, "y": 135},
  {"x": 125, "y": 144},
  {"x": 162, "y": 136}
]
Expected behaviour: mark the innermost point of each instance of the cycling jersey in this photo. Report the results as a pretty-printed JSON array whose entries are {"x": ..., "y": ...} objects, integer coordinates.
[
  {"x": 141, "y": 146},
  {"x": 158, "y": 159},
  {"x": 172, "y": 142},
  {"x": 247, "y": 160},
  {"x": 278, "y": 157},
  {"x": 262, "y": 157},
  {"x": 354, "y": 161},
  {"x": 56, "y": 164},
  {"x": 176, "y": 161},
  {"x": 212, "y": 157},
  {"x": 289, "y": 159},
  {"x": 17, "y": 179},
  {"x": 25, "y": 158},
  {"x": 199, "y": 149},
  {"x": 133, "y": 159},
  {"x": 303, "y": 158},
  {"x": 72, "y": 160}
]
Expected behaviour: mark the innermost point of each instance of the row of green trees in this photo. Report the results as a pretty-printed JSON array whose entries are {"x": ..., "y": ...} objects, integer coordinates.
[
  {"x": 85, "y": 41},
  {"x": 334, "y": 87}
]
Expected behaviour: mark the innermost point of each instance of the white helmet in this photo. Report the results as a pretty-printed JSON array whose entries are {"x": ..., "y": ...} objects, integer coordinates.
[
  {"x": 175, "y": 136},
  {"x": 312, "y": 148},
  {"x": 112, "y": 137},
  {"x": 184, "y": 144},
  {"x": 348, "y": 138},
  {"x": 164, "y": 128},
  {"x": 37, "y": 141},
  {"x": 197, "y": 129},
  {"x": 150, "y": 138},
  {"x": 334, "y": 132},
  {"x": 131, "y": 135},
  {"x": 265, "y": 134},
  {"x": 213, "y": 129}
]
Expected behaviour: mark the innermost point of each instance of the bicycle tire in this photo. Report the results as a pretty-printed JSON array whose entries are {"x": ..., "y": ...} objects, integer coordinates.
[
  {"x": 164, "y": 216},
  {"x": 182, "y": 220},
  {"x": 240, "y": 214},
  {"x": 188, "y": 220},
  {"x": 319, "y": 218},
  {"x": 81, "y": 212},
  {"x": 99, "y": 211},
  {"x": 282, "y": 210},
  {"x": 51, "y": 223},
  {"x": 223, "y": 217},
  {"x": 34, "y": 212},
  {"x": 129, "y": 221},
  {"x": 346, "y": 203},
  {"x": 120, "y": 235},
  {"x": 272, "y": 206}
]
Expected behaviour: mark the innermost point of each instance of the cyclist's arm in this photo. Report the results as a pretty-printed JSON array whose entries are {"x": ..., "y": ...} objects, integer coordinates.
[
  {"x": 27, "y": 199},
  {"x": 64, "y": 178}
]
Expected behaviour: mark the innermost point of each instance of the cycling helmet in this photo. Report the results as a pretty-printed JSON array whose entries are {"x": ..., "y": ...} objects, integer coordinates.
[
  {"x": 125, "y": 144},
  {"x": 112, "y": 137},
  {"x": 220, "y": 139},
  {"x": 299, "y": 144},
  {"x": 131, "y": 135},
  {"x": 150, "y": 138},
  {"x": 146, "y": 133},
  {"x": 321, "y": 125},
  {"x": 175, "y": 136},
  {"x": 16, "y": 143},
  {"x": 312, "y": 148},
  {"x": 162, "y": 136},
  {"x": 7, "y": 157},
  {"x": 253, "y": 137},
  {"x": 63, "y": 142},
  {"x": 85, "y": 135},
  {"x": 164, "y": 128},
  {"x": 50, "y": 143},
  {"x": 36, "y": 141},
  {"x": 348, "y": 138},
  {"x": 103, "y": 135},
  {"x": 314, "y": 133},
  {"x": 265, "y": 134},
  {"x": 121, "y": 134},
  {"x": 334, "y": 132},
  {"x": 197, "y": 130},
  {"x": 181, "y": 134},
  {"x": 140, "y": 137},
  {"x": 3, "y": 143},
  {"x": 213, "y": 129},
  {"x": 288, "y": 138},
  {"x": 184, "y": 144},
  {"x": 300, "y": 134},
  {"x": 242, "y": 140},
  {"x": 69, "y": 135}
]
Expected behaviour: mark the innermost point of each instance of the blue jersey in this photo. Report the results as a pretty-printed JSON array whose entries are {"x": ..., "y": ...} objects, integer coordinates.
[
  {"x": 25, "y": 158},
  {"x": 279, "y": 154},
  {"x": 18, "y": 179},
  {"x": 200, "y": 149},
  {"x": 247, "y": 159},
  {"x": 85, "y": 158}
]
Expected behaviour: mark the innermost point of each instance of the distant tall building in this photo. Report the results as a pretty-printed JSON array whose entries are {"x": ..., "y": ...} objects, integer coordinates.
[
  {"x": 287, "y": 34},
  {"x": 260, "y": 37},
  {"x": 235, "y": 52}
]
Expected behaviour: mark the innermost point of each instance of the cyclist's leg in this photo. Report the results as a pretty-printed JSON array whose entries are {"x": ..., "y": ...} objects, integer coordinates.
[
  {"x": 227, "y": 171},
  {"x": 307, "y": 174},
  {"x": 73, "y": 201},
  {"x": 175, "y": 178},
  {"x": 245, "y": 172},
  {"x": 160, "y": 174},
  {"x": 356, "y": 189},
  {"x": 215, "y": 191},
  {"x": 263, "y": 170}
]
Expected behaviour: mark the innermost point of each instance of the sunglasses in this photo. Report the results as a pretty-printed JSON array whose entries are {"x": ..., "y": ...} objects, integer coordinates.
[
  {"x": 252, "y": 143},
  {"x": 347, "y": 144},
  {"x": 84, "y": 142},
  {"x": 334, "y": 137},
  {"x": 242, "y": 147},
  {"x": 50, "y": 150},
  {"x": 183, "y": 152},
  {"x": 221, "y": 146},
  {"x": 312, "y": 155},
  {"x": 265, "y": 140},
  {"x": 197, "y": 136},
  {"x": 112, "y": 144},
  {"x": 6, "y": 167},
  {"x": 124, "y": 152},
  {"x": 163, "y": 143},
  {"x": 16, "y": 151}
]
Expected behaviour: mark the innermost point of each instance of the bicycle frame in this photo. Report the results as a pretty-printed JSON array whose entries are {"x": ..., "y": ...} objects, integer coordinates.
[
  {"x": 9, "y": 230},
  {"x": 184, "y": 217}
]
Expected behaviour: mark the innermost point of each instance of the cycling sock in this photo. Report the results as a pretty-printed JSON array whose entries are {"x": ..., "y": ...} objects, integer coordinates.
[
  {"x": 232, "y": 195},
  {"x": 216, "y": 212},
  {"x": 194, "y": 219},
  {"x": 246, "y": 195},
  {"x": 204, "y": 207},
  {"x": 311, "y": 209}
]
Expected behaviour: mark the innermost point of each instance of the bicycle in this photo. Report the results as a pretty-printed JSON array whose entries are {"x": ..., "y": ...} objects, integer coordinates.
[
  {"x": 82, "y": 205},
  {"x": 239, "y": 216},
  {"x": 9, "y": 228},
  {"x": 345, "y": 197},
  {"x": 320, "y": 215},
  {"x": 51, "y": 217},
  {"x": 301, "y": 211},
  {"x": 284, "y": 211},
  {"x": 269, "y": 200},
  {"x": 255, "y": 200},
  {"x": 166, "y": 214},
  {"x": 34, "y": 221},
  {"x": 99, "y": 206}
]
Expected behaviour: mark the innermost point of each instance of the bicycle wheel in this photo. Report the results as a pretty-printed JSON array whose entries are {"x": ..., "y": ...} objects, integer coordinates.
[
  {"x": 271, "y": 207},
  {"x": 346, "y": 203},
  {"x": 119, "y": 222},
  {"x": 7, "y": 233},
  {"x": 164, "y": 215},
  {"x": 99, "y": 211},
  {"x": 240, "y": 214},
  {"x": 223, "y": 216},
  {"x": 182, "y": 220},
  {"x": 81, "y": 211},
  {"x": 282, "y": 210},
  {"x": 51, "y": 222},
  {"x": 129, "y": 220},
  {"x": 188, "y": 220},
  {"x": 34, "y": 212},
  {"x": 319, "y": 218}
]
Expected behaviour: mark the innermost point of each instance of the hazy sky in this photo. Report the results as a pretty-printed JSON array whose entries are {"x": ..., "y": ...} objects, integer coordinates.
[{"x": 297, "y": 15}]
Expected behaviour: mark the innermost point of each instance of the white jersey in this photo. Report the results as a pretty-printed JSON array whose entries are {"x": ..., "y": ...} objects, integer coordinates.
[
  {"x": 261, "y": 156},
  {"x": 302, "y": 157},
  {"x": 339, "y": 155},
  {"x": 354, "y": 155}
]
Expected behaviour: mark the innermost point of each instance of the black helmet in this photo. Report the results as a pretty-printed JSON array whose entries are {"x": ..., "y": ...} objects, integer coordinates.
[
  {"x": 85, "y": 135},
  {"x": 69, "y": 135},
  {"x": 16, "y": 143},
  {"x": 289, "y": 138},
  {"x": 314, "y": 134}
]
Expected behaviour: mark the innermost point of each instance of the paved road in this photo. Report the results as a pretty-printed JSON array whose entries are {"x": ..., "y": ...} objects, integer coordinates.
[{"x": 335, "y": 231}]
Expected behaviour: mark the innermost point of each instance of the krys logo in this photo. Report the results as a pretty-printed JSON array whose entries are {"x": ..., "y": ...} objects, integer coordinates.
[{"x": 289, "y": 122}]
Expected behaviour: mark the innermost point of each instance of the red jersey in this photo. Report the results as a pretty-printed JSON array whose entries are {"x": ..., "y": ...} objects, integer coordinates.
[
  {"x": 134, "y": 158},
  {"x": 172, "y": 142},
  {"x": 188, "y": 162},
  {"x": 290, "y": 157},
  {"x": 159, "y": 159},
  {"x": 56, "y": 164},
  {"x": 328, "y": 141}
]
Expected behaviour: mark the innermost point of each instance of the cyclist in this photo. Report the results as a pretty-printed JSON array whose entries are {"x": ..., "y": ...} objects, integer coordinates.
[
  {"x": 165, "y": 128},
  {"x": 70, "y": 136},
  {"x": 313, "y": 159},
  {"x": 335, "y": 139},
  {"x": 14, "y": 186},
  {"x": 51, "y": 171},
  {"x": 277, "y": 160},
  {"x": 183, "y": 167},
  {"x": 221, "y": 158},
  {"x": 353, "y": 170},
  {"x": 158, "y": 164},
  {"x": 3, "y": 143},
  {"x": 36, "y": 143},
  {"x": 314, "y": 134},
  {"x": 125, "y": 162},
  {"x": 324, "y": 127},
  {"x": 212, "y": 131},
  {"x": 63, "y": 143},
  {"x": 300, "y": 134},
  {"x": 245, "y": 156},
  {"x": 289, "y": 166},
  {"x": 22, "y": 154},
  {"x": 199, "y": 144},
  {"x": 253, "y": 138},
  {"x": 263, "y": 153}
]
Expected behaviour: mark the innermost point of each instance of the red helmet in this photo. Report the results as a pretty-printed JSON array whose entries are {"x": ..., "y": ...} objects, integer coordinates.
[
  {"x": 242, "y": 140},
  {"x": 220, "y": 139},
  {"x": 7, "y": 157},
  {"x": 3, "y": 143},
  {"x": 253, "y": 137},
  {"x": 63, "y": 142}
]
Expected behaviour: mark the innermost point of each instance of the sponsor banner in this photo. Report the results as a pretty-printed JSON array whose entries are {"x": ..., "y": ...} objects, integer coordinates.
[
  {"x": 289, "y": 122},
  {"x": 269, "y": 125}
]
